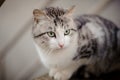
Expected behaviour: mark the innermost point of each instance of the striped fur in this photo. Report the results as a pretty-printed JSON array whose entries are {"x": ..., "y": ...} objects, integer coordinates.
[
  {"x": 104, "y": 47},
  {"x": 54, "y": 12}
]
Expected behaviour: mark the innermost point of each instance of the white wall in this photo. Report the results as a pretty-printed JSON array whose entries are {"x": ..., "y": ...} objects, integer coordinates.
[
  {"x": 14, "y": 15},
  {"x": 17, "y": 14}
]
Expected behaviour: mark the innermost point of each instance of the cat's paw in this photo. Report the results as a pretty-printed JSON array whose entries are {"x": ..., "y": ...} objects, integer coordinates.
[
  {"x": 53, "y": 72},
  {"x": 62, "y": 75}
]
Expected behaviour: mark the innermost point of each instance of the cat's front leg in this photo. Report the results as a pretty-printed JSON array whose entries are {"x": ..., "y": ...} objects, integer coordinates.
[
  {"x": 59, "y": 74},
  {"x": 53, "y": 71},
  {"x": 63, "y": 74}
]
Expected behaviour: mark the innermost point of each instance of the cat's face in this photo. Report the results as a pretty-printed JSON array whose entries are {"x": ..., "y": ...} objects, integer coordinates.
[{"x": 54, "y": 33}]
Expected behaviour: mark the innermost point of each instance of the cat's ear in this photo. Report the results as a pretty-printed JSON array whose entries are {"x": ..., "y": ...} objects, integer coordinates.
[
  {"x": 39, "y": 13},
  {"x": 69, "y": 12}
]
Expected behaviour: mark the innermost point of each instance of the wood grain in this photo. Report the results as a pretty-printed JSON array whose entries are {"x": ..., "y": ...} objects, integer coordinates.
[{"x": 44, "y": 77}]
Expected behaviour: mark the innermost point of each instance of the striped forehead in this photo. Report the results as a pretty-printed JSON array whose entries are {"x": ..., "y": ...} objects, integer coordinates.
[
  {"x": 58, "y": 21},
  {"x": 54, "y": 12},
  {"x": 57, "y": 24},
  {"x": 56, "y": 15}
]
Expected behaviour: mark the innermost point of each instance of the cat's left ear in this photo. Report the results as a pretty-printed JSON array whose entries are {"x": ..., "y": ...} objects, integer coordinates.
[
  {"x": 39, "y": 13},
  {"x": 69, "y": 12}
]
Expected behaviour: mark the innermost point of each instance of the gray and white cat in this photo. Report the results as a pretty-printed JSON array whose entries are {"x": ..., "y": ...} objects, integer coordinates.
[{"x": 65, "y": 43}]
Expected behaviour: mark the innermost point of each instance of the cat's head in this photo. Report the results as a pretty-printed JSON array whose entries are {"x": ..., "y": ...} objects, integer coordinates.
[{"x": 54, "y": 27}]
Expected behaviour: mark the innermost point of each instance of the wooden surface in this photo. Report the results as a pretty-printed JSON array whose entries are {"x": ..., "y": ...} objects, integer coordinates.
[{"x": 44, "y": 77}]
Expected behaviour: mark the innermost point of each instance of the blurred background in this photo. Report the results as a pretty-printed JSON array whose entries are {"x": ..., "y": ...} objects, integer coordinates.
[{"x": 19, "y": 59}]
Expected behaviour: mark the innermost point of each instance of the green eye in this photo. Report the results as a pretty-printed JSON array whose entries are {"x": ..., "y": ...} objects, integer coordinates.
[
  {"x": 67, "y": 32},
  {"x": 51, "y": 34}
]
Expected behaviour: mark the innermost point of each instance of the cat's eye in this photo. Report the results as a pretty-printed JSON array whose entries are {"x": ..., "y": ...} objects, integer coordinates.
[
  {"x": 51, "y": 34},
  {"x": 67, "y": 32}
]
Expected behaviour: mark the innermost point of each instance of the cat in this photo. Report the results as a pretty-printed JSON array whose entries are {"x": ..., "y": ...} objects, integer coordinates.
[{"x": 66, "y": 43}]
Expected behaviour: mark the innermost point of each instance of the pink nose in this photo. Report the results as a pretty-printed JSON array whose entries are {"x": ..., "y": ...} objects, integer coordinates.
[{"x": 61, "y": 45}]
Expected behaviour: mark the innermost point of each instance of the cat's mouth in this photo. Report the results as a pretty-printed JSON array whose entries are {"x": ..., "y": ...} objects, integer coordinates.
[{"x": 61, "y": 48}]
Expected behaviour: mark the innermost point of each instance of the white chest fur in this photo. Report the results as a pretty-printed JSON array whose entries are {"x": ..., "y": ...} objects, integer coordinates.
[{"x": 61, "y": 58}]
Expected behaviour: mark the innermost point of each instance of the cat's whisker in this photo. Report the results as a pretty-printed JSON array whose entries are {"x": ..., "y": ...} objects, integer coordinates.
[
  {"x": 46, "y": 49},
  {"x": 49, "y": 53}
]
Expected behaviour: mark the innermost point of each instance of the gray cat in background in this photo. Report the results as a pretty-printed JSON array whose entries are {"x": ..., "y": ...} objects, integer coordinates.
[{"x": 65, "y": 43}]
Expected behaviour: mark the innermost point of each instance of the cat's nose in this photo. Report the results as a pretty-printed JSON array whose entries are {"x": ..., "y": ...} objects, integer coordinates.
[{"x": 61, "y": 45}]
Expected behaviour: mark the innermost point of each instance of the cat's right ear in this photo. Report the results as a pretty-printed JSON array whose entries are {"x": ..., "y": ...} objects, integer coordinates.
[
  {"x": 37, "y": 14},
  {"x": 69, "y": 11}
]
